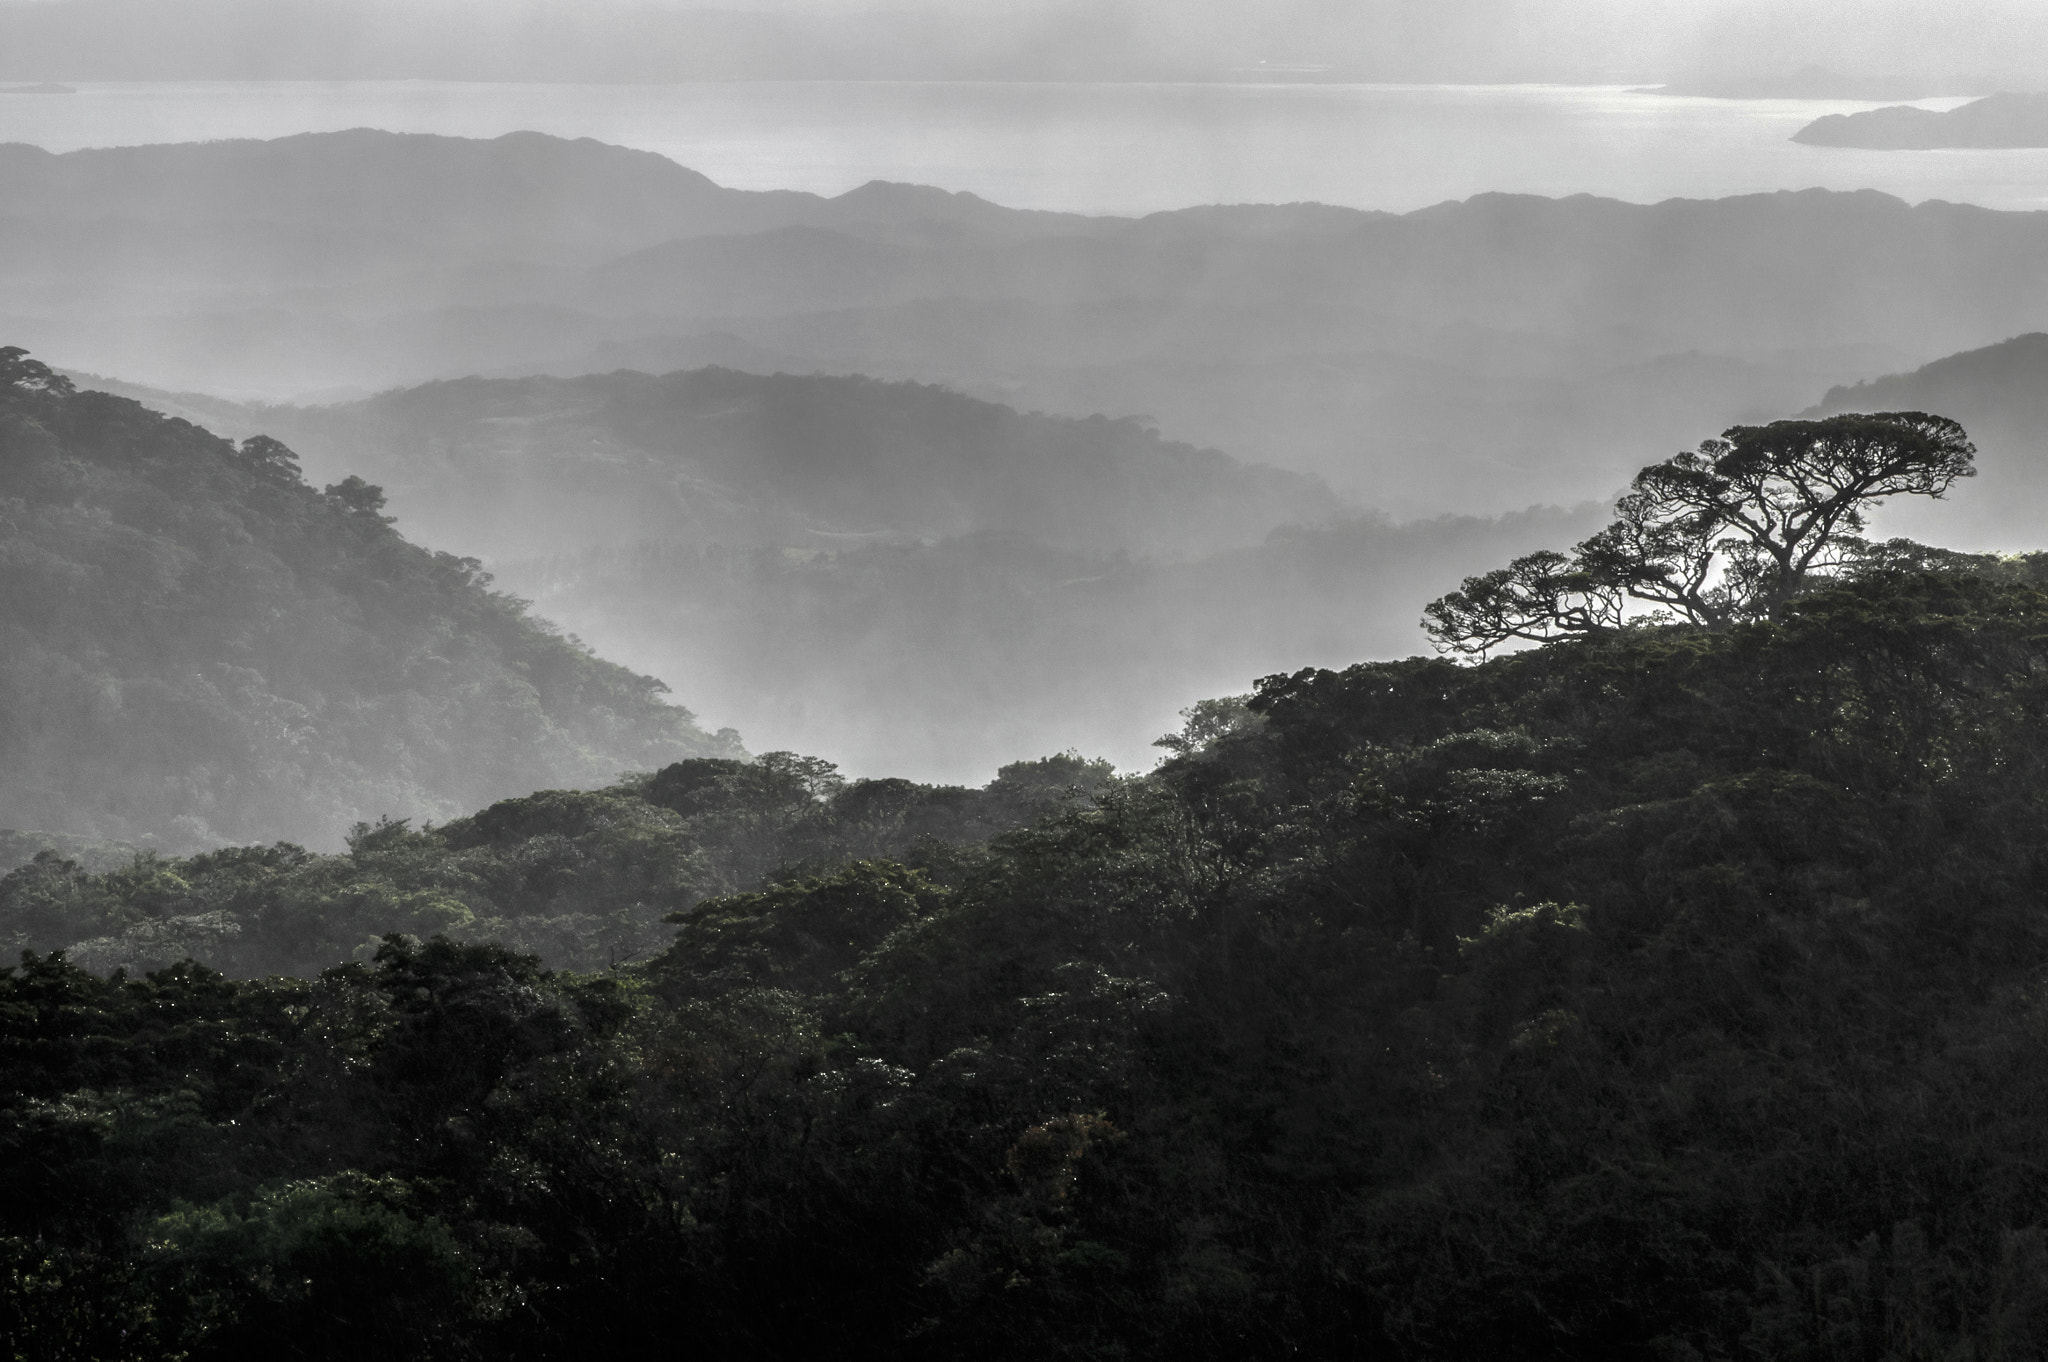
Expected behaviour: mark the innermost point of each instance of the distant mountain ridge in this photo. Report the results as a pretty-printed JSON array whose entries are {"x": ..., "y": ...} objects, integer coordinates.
[
  {"x": 2000, "y": 394},
  {"x": 546, "y": 465},
  {"x": 2000, "y": 383},
  {"x": 445, "y": 196},
  {"x": 2007, "y": 121},
  {"x": 1473, "y": 356}
]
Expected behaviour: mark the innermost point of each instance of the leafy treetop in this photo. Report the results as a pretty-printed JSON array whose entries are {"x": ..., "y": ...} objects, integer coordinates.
[
  {"x": 1726, "y": 533},
  {"x": 19, "y": 372}
]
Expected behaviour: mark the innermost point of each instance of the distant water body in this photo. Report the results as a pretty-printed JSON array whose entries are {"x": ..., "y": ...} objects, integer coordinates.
[{"x": 1099, "y": 148}]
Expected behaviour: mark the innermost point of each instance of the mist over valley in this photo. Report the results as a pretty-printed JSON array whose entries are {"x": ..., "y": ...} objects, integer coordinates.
[{"x": 1084, "y": 526}]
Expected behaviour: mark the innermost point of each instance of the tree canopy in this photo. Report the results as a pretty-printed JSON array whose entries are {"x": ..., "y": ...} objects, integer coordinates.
[
  {"x": 1728, "y": 532},
  {"x": 1675, "y": 995}
]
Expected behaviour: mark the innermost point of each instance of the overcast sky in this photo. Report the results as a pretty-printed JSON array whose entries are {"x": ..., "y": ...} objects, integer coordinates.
[{"x": 1423, "y": 40}]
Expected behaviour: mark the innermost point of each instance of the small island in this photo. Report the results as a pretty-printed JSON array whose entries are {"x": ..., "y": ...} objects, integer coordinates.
[
  {"x": 1997, "y": 121},
  {"x": 41, "y": 88}
]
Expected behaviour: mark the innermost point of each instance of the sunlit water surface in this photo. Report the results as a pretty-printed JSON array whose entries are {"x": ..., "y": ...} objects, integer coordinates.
[{"x": 1103, "y": 148}]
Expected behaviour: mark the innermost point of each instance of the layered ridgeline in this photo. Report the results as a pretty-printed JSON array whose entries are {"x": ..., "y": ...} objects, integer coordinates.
[
  {"x": 2000, "y": 393},
  {"x": 1477, "y": 357},
  {"x": 717, "y": 456},
  {"x": 1668, "y": 993},
  {"x": 901, "y": 578},
  {"x": 197, "y": 646}
]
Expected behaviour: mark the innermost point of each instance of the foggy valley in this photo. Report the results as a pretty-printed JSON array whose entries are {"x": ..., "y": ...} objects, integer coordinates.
[
  {"x": 1473, "y": 361},
  {"x": 596, "y": 749}
]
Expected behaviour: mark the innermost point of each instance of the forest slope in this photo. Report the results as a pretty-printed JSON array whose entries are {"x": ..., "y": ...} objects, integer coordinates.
[
  {"x": 1674, "y": 994},
  {"x": 197, "y": 646}
]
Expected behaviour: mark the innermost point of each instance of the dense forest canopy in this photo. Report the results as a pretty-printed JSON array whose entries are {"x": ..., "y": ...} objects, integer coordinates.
[
  {"x": 582, "y": 879},
  {"x": 196, "y": 646},
  {"x": 1669, "y": 994}
]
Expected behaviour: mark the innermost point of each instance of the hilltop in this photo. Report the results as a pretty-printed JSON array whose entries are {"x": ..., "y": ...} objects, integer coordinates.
[
  {"x": 198, "y": 646},
  {"x": 2000, "y": 393},
  {"x": 2003, "y": 120},
  {"x": 542, "y": 465}
]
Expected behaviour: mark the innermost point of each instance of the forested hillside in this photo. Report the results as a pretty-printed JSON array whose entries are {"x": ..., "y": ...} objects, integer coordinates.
[
  {"x": 1672, "y": 993},
  {"x": 534, "y": 466},
  {"x": 584, "y": 879},
  {"x": 196, "y": 646}
]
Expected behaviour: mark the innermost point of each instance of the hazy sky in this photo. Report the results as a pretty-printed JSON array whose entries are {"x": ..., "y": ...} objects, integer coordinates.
[{"x": 1420, "y": 40}]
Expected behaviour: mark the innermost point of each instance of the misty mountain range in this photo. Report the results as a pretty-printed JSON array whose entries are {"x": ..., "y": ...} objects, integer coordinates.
[
  {"x": 1473, "y": 357},
  {"x": 556, "y": 465},
  {"x": 907, "y": 579},
  {"x": 932, "y": 582},
  {"x": 890, "y": 574}
]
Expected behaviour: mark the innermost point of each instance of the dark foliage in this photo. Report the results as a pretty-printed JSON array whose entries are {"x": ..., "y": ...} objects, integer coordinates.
[
  {"x": 1674, "y": 995},
  {"x": 581, "y": 878}
]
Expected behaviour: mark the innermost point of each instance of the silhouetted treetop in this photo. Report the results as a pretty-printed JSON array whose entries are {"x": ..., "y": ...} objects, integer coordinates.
[
  {"x": 20, "y": 373},
  {"x": 1728, "y": 532}
]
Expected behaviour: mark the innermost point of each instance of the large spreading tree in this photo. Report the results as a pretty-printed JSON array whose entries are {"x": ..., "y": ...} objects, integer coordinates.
[{"x": 1726, "y": 533}]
